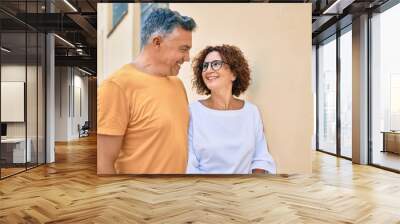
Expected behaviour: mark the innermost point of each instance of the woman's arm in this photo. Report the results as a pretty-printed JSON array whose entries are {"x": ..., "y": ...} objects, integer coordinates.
[
  {"x": 262, "y": 159},
  {"x": 193, "y": 160}
]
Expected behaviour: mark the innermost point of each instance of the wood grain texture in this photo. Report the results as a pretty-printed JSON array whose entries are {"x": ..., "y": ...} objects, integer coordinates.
[{"x": 69, "y": 191}]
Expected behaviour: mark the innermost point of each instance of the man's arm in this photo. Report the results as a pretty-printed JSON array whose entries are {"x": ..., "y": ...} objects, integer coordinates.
[{"x": 108, "y": 147}]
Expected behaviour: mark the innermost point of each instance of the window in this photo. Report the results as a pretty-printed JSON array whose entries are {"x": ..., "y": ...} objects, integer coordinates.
[
  {"x": 22, "y": 65},
  {"x": 346, "y": 93},
  {"x": 327, "y": 96},
  {"x": 333, "y": 137},
  {"x": 385, "y": 88}
]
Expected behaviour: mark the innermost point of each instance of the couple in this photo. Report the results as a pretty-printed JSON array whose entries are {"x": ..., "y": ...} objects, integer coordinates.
[{"x": 145, "y": 125}]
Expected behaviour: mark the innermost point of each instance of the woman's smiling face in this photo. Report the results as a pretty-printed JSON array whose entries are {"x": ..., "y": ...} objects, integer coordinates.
[{"x": 216, "y": 73}]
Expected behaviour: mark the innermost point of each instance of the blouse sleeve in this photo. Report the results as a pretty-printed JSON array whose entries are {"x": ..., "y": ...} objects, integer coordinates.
[
  {"x": 193, "y": 160},
  {"x": 262, "y": 159}
]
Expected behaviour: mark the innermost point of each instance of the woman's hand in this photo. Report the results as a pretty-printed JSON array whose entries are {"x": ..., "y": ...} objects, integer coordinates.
[{"x": 258, "y": 171}]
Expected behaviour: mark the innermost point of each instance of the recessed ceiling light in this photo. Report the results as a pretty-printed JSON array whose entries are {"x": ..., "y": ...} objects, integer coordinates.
[
  {"x": 338, "y": 6},
  {"x": 64, "y": 40},
  {"x": 84, "y": 71},
  {"x": 5, "y": 50},
  {"x": 70, "y": 5}
]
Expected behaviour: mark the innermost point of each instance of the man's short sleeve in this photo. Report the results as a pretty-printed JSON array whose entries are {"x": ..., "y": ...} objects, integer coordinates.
[{"x": 112, "y": 109}]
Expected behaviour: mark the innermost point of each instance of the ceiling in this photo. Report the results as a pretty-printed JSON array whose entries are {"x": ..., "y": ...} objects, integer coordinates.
[
  {"x": 329, "y": 16},
  {"x": 76, "y": 24},
  {"x": 76, "y": 21}
]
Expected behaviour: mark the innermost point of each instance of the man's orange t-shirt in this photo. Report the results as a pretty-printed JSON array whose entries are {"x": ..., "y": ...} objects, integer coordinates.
[{"x": 152, "y": 114}]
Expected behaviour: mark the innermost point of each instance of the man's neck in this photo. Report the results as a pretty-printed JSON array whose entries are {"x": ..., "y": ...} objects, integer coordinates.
[{"x": 146, "y": 64}]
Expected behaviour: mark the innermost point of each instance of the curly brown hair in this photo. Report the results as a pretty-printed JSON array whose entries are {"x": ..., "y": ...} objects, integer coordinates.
[{"x": 236, "y": 61}]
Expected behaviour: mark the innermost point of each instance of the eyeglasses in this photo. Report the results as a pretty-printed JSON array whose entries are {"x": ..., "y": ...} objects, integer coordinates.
[{"x": 215, "y": 65}]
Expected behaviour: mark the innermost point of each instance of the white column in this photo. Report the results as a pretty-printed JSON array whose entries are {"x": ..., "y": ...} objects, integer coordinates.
[
  {"x": 360, "y": 90},
  {"x": 50, "y": 99}
]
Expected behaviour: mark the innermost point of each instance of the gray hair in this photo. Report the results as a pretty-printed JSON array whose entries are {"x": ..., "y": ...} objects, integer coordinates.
[{"x": 163, "y": 21}]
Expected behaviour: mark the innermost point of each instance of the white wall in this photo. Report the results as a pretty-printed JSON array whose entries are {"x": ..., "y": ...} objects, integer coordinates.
[
  {"x": 68, "y": 82},
  {"x": 80, "y": 103},
  {"x": 82, "y": 82},
  {"x": 61, "y": 103},
  {"x": 14, "y": 72},
  {"x": 33, "y": 127},
  {"x": 12, "y": 101}
]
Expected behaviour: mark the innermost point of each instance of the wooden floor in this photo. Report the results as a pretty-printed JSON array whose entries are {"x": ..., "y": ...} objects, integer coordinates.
[
  {"x": 5, "y": 172},
  {"x": 69, "y": 191},
  {"x": 387, "y": 159}
]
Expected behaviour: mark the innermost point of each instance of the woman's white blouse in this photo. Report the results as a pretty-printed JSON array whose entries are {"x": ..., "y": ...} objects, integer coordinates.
[{"x": 227, "y": 141}]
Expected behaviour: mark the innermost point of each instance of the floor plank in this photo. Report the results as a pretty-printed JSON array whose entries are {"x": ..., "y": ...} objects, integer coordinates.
[{"x": 69, "y": 191}]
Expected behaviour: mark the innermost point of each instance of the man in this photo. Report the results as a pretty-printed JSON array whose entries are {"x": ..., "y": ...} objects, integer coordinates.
[{"x": 143, "y": 112}]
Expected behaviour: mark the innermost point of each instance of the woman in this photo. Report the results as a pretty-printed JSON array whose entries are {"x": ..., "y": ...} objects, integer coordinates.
[{"x": 225, "y": 134}]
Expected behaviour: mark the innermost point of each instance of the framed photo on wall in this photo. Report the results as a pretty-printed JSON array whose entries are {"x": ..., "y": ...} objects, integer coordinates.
[{"x": 119, "y": 10}]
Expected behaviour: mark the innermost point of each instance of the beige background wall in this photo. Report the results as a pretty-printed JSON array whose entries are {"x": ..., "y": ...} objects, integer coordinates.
[
  {"x": 119, "y": 46},
  {"x": 276, "y": 39}
]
